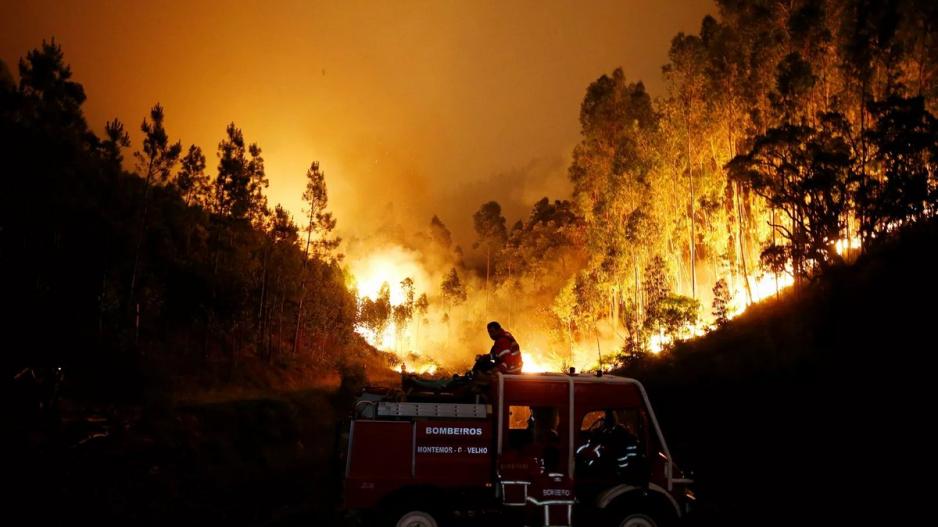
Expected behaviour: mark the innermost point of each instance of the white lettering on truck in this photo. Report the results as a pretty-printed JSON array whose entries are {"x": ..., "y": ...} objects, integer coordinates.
[
  {"x": 434, "y": 450},
  {"x": 447, "y": 449},
  {"x": 453, "y": 431}
]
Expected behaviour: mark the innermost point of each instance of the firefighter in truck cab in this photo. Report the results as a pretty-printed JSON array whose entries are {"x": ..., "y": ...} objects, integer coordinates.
[{"x": 505, "y": 353}]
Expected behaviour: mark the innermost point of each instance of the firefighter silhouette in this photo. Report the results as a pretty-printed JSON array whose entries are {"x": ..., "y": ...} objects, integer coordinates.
[{"x": 612, "y": 451}]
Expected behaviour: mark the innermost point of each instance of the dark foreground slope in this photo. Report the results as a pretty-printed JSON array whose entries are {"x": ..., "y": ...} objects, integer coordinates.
[
  {"x": 814, "y": 407},
  {"x": 236, "y": 454},
  {"x": 263, "y": 461}
]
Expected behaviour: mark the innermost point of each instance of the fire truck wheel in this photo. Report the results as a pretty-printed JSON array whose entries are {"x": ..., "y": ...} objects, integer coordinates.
[
  {"x": 636, "y": 510},
  {"x": 638, "y": 520},
  {"x": 416, "y": 518}
]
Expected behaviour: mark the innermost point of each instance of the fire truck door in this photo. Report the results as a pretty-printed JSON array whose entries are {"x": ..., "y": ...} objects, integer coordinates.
[{"x": 534, "y": 416}]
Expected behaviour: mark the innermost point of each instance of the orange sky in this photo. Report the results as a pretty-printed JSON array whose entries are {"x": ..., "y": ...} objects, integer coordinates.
[{"x": 434, "y": 106}]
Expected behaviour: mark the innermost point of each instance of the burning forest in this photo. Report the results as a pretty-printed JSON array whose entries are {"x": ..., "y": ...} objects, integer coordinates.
[
  {"x": 615, "y": 185},
  {"x": 759, "y": 167},
  {"x": 782, "y": 142}
]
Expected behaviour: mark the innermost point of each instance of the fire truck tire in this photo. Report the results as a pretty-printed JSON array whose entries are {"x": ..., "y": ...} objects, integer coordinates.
[
  {"x": 637, "y": 520},
  {"x": 640, "y": 513},
  {"x": 415, "y": 518}
]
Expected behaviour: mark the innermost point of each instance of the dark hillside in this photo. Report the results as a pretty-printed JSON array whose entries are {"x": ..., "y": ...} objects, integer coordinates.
[{"x": 813, "y": 406}]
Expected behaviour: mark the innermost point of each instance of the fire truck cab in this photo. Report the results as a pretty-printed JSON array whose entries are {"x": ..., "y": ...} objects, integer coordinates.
[{"x": 529, "y": 449}]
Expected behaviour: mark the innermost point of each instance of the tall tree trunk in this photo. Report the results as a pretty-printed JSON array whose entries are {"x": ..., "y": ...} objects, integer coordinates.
[
  {"x": 742, "y": 248},
  {"x": 488, "y": 259},
  {"x": 775, "y": 271},
  {"x": 267, "y": 333},
  {"x": 847, "y": 233},
  {"x": 299, "y": 307},
  {"x": 795, "y": 248},
  {"x": 299, "y": 314},
  {"x": 638, "y": 293},
  {"x": 865, "y": 224},
  {"x": 263, "y": 298},
  {"x": 138, "y": 247},
  {"x": 693, "y": 236},
  {"x": 283, "y": 303}
]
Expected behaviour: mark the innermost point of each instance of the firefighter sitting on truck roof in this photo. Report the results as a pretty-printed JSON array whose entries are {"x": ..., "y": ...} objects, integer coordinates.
[{"x": 505, "y": 353}]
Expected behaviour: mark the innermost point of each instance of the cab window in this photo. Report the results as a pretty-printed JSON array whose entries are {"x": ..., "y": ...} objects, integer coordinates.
[
  {"x": 629, "y": 418},
  {"x": 535, "y": 431},
  {"x": 611, "y": 445},
  {"x": 518, "y": 417}
]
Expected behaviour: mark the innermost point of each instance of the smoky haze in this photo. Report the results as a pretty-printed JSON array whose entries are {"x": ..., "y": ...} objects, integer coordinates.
[{"x": 434, "y": 106}]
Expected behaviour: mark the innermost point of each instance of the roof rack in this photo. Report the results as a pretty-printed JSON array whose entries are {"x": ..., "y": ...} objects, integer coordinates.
[{"x": 408, "y": 409}]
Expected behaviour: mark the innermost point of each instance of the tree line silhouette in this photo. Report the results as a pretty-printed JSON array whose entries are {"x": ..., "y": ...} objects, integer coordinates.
[{"x": 161, "y": 264}]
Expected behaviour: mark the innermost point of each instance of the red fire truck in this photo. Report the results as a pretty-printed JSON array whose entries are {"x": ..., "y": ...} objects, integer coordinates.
[{"x": 529, "y": 449}]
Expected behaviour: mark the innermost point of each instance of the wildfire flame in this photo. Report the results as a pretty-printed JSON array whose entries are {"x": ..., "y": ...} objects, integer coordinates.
[
  {"x": 843, "y": 245},
  {"x": 581, "y": 356},
  {"x": 534, "y": 364},
  {"x": 536, "y": 361},
  {"x": 762, "y": 287},
  {"x": 387, "y": 266},
  {"x": 424, "y": 368},
  {"x": 391, "y": 265}
]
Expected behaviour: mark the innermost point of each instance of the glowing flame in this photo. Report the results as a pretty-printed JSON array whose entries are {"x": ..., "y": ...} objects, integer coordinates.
[
  {"x": 762, "y": 287},
  {"x": 390, "y": 266},
  {"x": 657, "y": 343},
  {"x": 769, "y": 284},
  {"x": 843, "y": 245},
  {"x": 582, "y": 357},
  {"x": 421, "y": 368},
  {"x": 387, "y": 266},
  {"x": 535, "y": 362}
]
